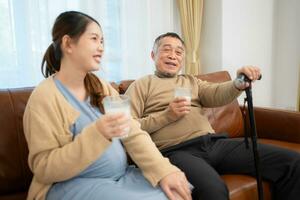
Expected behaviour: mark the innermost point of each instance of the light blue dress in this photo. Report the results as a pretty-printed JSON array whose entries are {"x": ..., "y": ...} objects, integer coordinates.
[{"x": 109, "y": 177}]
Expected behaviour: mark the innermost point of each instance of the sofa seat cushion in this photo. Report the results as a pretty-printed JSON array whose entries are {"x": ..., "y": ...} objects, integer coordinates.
[
  {"x": 288, "y": 145},
  {"x": 242, "y": 187},
  {"x": 15, "y": 196}
]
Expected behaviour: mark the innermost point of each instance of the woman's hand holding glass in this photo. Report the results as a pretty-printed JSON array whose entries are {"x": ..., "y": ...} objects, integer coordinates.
[{"x": 113, "y": 125}]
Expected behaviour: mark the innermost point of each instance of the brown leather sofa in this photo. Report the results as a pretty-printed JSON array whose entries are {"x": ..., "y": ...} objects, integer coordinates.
[{"x": 278, "y": 127}]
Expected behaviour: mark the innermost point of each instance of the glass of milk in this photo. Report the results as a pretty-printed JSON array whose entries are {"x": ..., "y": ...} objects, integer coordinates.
[
  {"x": 118, "y": 104},
  {"x": 183, "y": 92}
]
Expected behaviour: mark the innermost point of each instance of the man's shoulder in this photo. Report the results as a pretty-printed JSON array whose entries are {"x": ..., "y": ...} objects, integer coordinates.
[
  {"x": 188, "y": 77},
  {"x": 141, "y": 83},
  {"x": 144, "y": 79}
]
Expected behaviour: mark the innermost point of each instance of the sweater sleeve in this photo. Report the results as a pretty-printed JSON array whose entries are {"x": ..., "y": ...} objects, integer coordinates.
[
  {"x": 53, "y": 156},
  {"x": 137, "y": 92},
  {"x": 216, "y": 94},
  {"x": 145, "y": 154}
]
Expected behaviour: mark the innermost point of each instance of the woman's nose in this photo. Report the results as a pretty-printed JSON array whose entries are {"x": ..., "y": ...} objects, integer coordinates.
[{"x": 101, "y": 47}]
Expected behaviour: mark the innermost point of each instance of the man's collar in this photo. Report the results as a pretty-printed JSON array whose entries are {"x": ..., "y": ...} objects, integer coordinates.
[{"x": 164, "y": 75}]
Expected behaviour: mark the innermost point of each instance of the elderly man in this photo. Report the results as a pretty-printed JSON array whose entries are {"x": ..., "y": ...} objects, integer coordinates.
[{"x": 185, "y": 136}]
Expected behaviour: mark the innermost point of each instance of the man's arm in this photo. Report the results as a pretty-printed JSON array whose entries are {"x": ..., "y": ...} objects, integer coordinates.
[
  {"x": 218, "y": 94},
  {"x": 138, "y": 92}
]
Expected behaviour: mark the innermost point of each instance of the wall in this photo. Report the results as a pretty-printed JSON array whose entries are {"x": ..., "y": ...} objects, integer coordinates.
[
  {"x": 286, "y": 53},
  {"x": 255, "y": 32},
  {"x": 142, "y": 22},
  {"x": 211, "y": 36},
  {"x": 247, "y": 40}
]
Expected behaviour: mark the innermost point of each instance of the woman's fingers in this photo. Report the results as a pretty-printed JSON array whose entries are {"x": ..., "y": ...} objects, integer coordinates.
[{"x": 113, "y": 124}]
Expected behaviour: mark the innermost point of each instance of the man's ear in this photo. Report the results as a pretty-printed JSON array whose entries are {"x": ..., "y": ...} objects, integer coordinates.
[
  {"x": 66, "y": 44},
  {"x": 152, "y": 55}
]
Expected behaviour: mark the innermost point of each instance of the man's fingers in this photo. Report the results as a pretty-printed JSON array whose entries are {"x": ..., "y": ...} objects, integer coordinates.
[
  {"x": 252, "y": 72},
  {"x": 179, "y": 99},
  {"x": 182, "y": 102},
  {"x": 184, "y": 109}
]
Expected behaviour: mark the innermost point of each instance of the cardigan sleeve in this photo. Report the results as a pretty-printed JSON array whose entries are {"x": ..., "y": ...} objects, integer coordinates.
[
  {"x": 53, "y": 156},
  {"x": 145, "y": 154}
]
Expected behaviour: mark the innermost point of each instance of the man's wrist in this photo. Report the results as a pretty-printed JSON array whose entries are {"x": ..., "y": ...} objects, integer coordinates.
[{"x": 238, "y": 84}]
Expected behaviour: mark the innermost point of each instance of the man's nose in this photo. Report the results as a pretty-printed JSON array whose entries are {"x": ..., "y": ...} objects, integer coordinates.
[{"x": 172, "y": 54}]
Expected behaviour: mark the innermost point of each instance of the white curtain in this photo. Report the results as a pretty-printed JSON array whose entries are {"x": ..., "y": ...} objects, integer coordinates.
[
  {"x": 142, "y": 22},
  {"x": 130, "y": 27}
]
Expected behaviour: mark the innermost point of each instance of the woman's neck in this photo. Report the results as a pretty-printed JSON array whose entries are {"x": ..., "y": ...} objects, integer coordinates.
[{"x": 73, "y": 79}]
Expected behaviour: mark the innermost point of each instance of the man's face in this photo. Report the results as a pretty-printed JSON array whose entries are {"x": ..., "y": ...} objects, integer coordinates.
[{"x": 169, "y": 56}]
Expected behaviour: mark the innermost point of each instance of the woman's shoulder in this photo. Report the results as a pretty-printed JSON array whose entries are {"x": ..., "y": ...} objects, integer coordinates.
[
  {"x": 44, "y": 93},
  {"x": 45, "y": 88}
]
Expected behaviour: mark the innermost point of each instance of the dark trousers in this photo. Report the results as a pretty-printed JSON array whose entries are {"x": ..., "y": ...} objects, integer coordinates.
[{"x": 205, "y": 158}]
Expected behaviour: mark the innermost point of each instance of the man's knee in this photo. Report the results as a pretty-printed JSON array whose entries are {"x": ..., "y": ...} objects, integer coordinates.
[
  {"x": 214, "y": 189},
  {"x": 206, "y": 181}
]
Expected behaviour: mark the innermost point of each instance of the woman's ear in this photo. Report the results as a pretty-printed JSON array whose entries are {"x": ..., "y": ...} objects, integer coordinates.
[{"x": 66, "y": 44}]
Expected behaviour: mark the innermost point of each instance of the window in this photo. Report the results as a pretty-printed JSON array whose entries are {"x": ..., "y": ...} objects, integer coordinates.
[
  {"x": 25, "y": 34},
  {"x": 129, "y": 26}
]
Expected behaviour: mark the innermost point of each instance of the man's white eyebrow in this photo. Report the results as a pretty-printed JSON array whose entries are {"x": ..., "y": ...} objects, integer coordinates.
[
  {"x": 169, "y": 45},
  {"x": 179, "y": 47}
]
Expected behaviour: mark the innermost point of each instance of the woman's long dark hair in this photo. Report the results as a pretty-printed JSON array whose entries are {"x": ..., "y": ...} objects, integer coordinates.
[{"x": 73, "y": 24}]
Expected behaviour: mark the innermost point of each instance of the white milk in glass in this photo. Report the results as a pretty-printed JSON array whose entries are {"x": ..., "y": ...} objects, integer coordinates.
[
  {"x": 183, "y": 92},
  {"x": 118, "y": 104}
]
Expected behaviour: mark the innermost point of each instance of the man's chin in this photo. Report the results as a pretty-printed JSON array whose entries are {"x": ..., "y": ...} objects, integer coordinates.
[{"x": 169, "y": 74}]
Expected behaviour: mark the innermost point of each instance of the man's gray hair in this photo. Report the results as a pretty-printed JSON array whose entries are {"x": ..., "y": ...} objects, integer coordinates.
[{"x": 159, "y": 38}]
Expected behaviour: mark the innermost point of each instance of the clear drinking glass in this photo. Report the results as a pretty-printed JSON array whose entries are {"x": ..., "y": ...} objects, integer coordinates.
[
  {"x": 118, "y": 104},
  {"x": 183, "y": 92}
]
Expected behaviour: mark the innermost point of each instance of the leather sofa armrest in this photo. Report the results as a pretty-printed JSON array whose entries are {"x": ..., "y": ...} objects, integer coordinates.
[{"x": 277, "y": 124}]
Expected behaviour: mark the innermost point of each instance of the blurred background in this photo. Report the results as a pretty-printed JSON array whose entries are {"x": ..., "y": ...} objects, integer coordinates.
[{"x": 230, "y": 33}]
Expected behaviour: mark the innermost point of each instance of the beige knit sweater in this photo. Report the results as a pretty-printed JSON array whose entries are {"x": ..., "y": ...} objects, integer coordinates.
[
  {"x": 151, "y": 95},
  {"x": 54, "y": 156}
]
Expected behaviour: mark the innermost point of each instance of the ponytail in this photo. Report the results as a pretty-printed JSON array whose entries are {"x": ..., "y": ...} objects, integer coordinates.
[
  {"x": 51, "y": 59},
  {"x": 95, "y": 90}
]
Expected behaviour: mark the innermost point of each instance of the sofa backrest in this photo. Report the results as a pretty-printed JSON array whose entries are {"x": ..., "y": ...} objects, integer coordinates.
[
  {"x": 226, "y": 118},
  {"x": 15, "y": 175}
]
